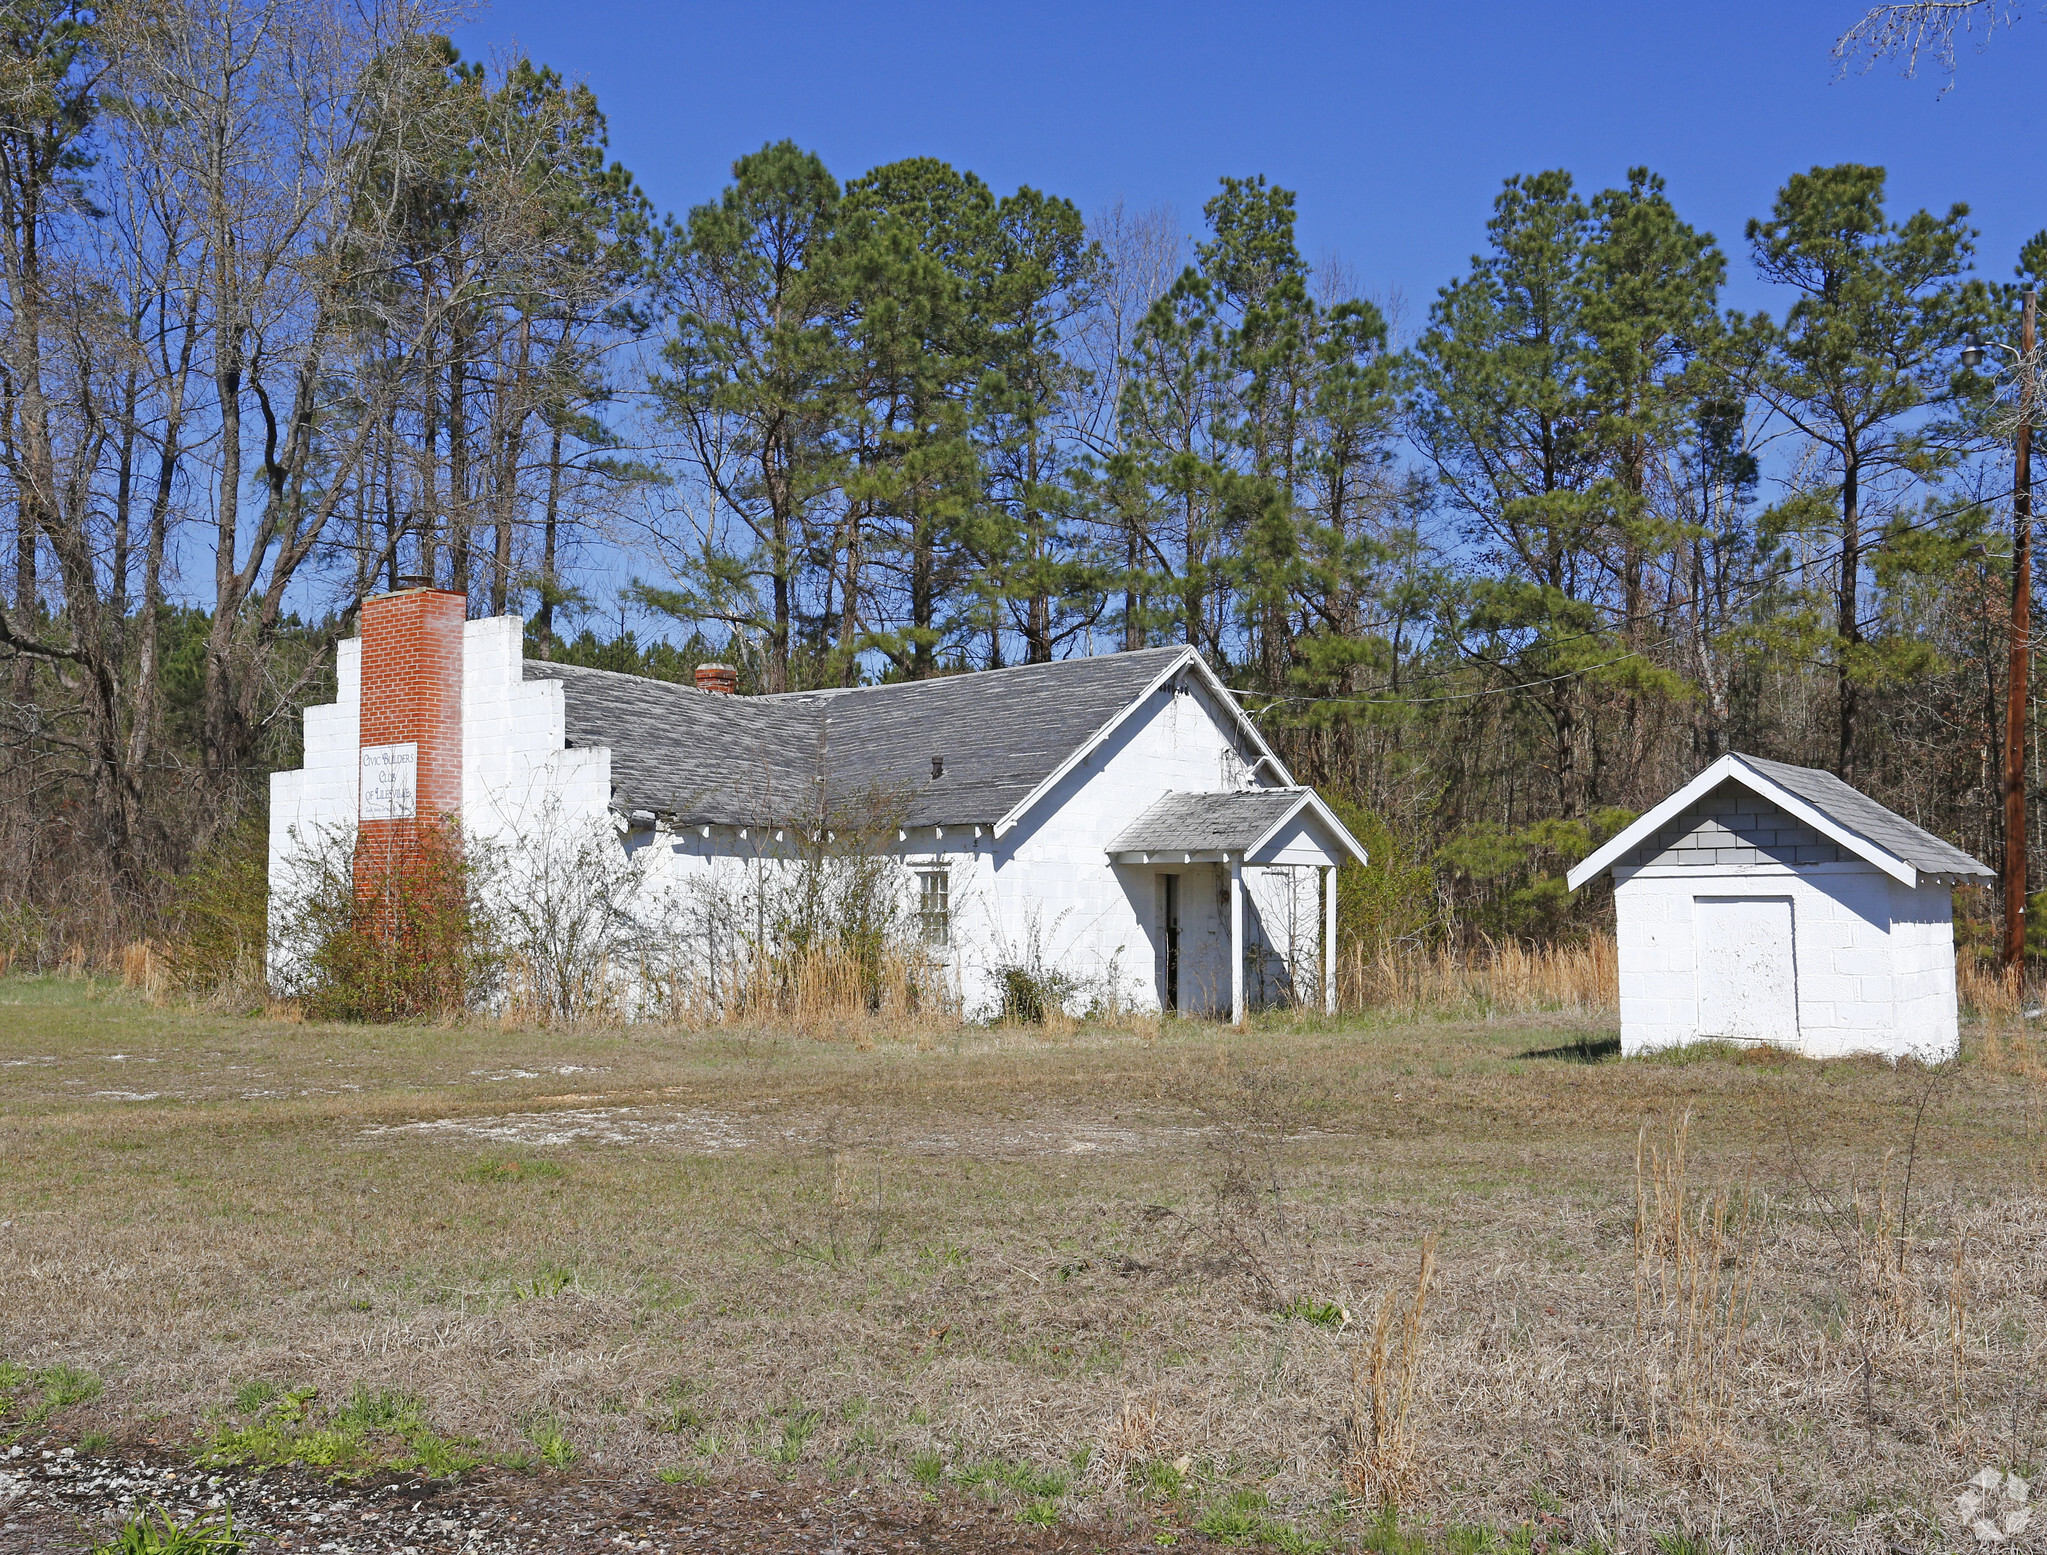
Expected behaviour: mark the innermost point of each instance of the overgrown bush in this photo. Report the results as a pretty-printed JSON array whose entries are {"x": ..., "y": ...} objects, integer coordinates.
[
  {"x": 1031, "y": 987},
  {"x": 411, "y": 938},
  {"x": 569, "y": 901},
  {"x": 821, "y": 917},
  {"x": 1394, "y": 899}
]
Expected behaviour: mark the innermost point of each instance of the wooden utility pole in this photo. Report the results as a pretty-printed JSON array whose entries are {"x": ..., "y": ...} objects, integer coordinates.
[{"x": 2019, "y": 675}]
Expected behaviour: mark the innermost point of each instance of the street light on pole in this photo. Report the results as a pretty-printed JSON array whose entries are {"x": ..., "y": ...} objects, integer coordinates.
[{"x": 2019, "y": 671}]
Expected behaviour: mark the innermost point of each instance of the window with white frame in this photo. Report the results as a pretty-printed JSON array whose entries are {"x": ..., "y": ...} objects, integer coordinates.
[{"x": 934, "y": 905}]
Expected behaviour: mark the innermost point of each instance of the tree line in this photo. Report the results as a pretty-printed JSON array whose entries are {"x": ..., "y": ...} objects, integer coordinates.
[{"x": 296, "y": 305}]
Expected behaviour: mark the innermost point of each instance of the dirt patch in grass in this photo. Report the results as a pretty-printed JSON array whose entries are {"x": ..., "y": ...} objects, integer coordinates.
[{"x": 1073, "y": 1280}]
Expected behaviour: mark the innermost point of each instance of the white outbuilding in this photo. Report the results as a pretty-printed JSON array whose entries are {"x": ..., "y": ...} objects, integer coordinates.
[{"x": 1766, "y": 903}]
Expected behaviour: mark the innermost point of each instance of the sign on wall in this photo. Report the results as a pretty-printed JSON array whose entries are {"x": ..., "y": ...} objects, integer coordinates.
[{"x": 390, "y": 782}]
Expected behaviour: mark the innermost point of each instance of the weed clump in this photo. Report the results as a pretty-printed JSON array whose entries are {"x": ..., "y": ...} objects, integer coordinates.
[
  {"x": 551, "y": 1440},
  {"x": 153, "y": 1531},
  {"x": 28, "y": 1398},
  {"x": 372, "y": 1430},
  {"x": 396, "y": 933}
]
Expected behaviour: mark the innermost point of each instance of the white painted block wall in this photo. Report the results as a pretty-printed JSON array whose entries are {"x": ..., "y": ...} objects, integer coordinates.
[
  {"x": 1874, "y": 959},
  {"x": 1093, "y": 916}
]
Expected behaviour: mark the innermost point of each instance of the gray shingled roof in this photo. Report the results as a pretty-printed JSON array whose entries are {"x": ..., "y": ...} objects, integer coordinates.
[
  {"x": 1862, "y": 815},
  {"x": 698, "y": 756},
  {"x": 1206, "y": 823}
]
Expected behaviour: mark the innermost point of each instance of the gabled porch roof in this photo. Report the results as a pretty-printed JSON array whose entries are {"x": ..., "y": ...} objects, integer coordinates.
[{"x": 1255, "y": 825}]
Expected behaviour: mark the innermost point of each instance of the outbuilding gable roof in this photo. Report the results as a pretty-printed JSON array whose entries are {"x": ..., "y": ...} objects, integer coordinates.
[
  {"x": 1237, "y": 822},
  {"x": 704, "y": 757},
  {"x": 1852, "y": 819}
]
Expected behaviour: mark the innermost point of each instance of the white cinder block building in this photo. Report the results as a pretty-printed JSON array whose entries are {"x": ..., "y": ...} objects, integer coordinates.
[
  {"x": 1765, "y": 903},
  {"x": 1117, "y": 817}
]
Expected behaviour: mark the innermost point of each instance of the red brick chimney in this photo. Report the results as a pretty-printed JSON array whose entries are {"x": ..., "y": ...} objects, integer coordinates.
[
  {"x": 411, "y": 725},
  {"x": 721, "y": 678}
]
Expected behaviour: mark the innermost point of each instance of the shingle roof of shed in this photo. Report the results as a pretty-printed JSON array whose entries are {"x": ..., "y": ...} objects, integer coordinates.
[
  {"x": 1203, "y": 823},
  {"x": 1850, "y": 819},
  {"x": 1862, "y": 815},
  {"x": 698, "y": 756}
]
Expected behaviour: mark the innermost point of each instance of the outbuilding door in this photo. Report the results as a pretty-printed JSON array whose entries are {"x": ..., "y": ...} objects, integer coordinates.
[{"x": 1748, "y": 969}]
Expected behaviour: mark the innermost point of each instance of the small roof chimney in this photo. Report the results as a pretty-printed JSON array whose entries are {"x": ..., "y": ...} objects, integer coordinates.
[
  {"x": 721, "y": 678},
  {"x": 938, "y": 766}
]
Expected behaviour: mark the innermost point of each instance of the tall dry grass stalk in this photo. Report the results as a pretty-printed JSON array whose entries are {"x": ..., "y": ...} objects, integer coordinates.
[
  {"x": 1997, "y": 999},
  {"x": 1506, "y": 976},
  {"x": 1696, "y": 1254},
  {"x": 1381, "y": 1465},
  {"x": 1891, "y": 1293},
  {"x": 1958, "y": 1311},
  {"x": 142, "y": 969}
]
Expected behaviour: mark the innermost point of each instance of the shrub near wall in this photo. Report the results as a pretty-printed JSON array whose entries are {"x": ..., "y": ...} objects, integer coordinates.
[{"x": 410, "y": 940}]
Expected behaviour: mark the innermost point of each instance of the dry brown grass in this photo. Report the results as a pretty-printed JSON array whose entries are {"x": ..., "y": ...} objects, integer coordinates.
[
  {"x": 825, "y": 994},
  {"x": 947, "y": 1244},
  {"x": 1696, "y": 1251},
  {"x": 1507, "y": 977}
]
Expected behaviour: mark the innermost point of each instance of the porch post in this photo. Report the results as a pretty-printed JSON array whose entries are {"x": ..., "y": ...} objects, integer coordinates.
[
  {"x": 1236, "y": 939},
  {"x": 1329, "y": 939}
]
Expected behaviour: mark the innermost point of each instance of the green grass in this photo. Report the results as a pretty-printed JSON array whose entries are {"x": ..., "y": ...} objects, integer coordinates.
[
  {"x": 674, "y": 1412},
  {"x": 1471, "y": 1539},
  {"x": 371, "y": 1430},
  {"x": 1158, "y": 1477},
  {"x": 550, "y": 1281},
  {"x": 250, "y": 1397},
  {"x": 507, "y": 1169},
  {"x": 13, "y": 1379},
  {"x": 1026, "y": 1479},
  {"x": 29, "y": 1398},
  {"x": 785, "y": 1437},
  {"x": 552, "y": 1442},
  {"x": 1323, "y": 1314}
]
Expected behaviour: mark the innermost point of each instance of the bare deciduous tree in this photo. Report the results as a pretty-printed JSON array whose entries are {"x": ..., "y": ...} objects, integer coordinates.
[{"x": 1932, "y": 27}]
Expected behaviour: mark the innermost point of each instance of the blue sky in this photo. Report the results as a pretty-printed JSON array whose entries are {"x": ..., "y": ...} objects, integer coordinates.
[{"x": 1395, "y": 123}]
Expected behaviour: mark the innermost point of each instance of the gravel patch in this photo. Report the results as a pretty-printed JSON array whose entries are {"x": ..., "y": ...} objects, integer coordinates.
[{"x": 55, "y": 1501}]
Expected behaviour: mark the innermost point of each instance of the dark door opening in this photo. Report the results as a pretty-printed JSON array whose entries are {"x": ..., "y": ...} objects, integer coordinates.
[{"x": 1169, "y": 911}]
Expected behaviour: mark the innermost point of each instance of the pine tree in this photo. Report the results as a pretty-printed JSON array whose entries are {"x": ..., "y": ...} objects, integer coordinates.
[
  {"x": 1864, "y": 365},
  {"x": 753, "y": 377}
]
